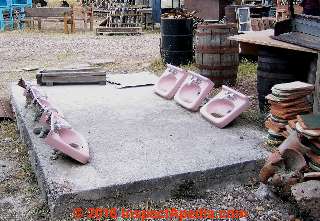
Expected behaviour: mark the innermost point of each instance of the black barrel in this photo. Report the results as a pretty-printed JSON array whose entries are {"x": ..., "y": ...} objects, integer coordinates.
[
  {"x": 177, "y": 40},
  {"x": 276, "y": 66}
]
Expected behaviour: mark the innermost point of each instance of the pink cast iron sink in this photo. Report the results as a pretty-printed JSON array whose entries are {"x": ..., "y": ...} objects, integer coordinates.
[
  {"x": 47, "y": 108},
  {"x": 64, "y": 138},
  {"x": 193, "y": 91},
  {"x": 225, "y": 107},
  {"x": 170, "y": 81},
  {"x": 220, "y": 108}
]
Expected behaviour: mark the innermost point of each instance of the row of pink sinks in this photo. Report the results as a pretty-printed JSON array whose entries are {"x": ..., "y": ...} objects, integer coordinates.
[
  {"x": 190, "y": 89},
  {"x": 61, "y": 135}
]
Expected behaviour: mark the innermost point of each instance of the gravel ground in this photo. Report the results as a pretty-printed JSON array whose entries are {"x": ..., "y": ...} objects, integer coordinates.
[{"x": 20, "y": 198}]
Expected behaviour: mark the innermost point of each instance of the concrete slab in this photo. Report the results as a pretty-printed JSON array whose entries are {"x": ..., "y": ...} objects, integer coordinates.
[{"x": 141, "y": 146}]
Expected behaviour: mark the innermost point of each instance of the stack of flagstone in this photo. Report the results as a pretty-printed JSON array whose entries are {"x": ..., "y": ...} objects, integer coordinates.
[
  {"x": 308, "y": 130},
  {"x": 286, "y": 102}
]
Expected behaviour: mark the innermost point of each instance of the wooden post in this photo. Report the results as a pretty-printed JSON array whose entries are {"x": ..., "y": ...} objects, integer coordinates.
[
  {"x": 91, "y": 18},
  {"x": 39, "y": 23},
  {"x": 85, "y": 18},
  {"x": 65, "y": 23},
  {"x": 316, "y": 97},
  {"x": 73, "y": 22}
]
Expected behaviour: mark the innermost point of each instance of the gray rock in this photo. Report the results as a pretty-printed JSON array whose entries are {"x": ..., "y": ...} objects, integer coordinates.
[
  {"x": 264, "y": 192},
  {"x": 307, "y": 195}
]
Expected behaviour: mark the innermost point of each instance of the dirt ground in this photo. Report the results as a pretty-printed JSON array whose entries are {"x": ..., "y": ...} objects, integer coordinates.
[{"x": 20, "y": 198}]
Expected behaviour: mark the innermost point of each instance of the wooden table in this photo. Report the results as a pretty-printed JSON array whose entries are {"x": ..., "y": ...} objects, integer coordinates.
[{"x": 250, "y": 42}]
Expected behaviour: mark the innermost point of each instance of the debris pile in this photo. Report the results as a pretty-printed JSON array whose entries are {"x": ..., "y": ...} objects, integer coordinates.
[
  {"x": 178, "y": 14},
  {"x": 286, "y": 102},
  {"x": 295, "y": 165},
  {"x": 308, "y": 130}
]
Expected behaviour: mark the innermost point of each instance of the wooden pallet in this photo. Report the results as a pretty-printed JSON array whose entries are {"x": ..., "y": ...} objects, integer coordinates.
[
  {"x": 119, "y": 31},
  {"x": 71, "y": 76}
]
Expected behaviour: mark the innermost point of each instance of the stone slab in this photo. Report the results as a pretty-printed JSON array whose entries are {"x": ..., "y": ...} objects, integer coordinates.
[{"x": 141, "y": 146}]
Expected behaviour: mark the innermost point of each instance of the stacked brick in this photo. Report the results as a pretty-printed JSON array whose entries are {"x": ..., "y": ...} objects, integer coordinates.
[{"x": 286, "y": 102}]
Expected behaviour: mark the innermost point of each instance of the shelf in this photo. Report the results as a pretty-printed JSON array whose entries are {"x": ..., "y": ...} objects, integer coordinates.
[{"x": 119, "y": 15}]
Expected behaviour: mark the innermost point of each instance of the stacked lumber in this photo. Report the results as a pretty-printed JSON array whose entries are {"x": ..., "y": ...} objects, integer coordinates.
[
  {"x": 308, "y": 130},
  {"x": 87, "y": 75},
  {"x": 119, "y": 31},
  {"x": 286, "y": 102}
]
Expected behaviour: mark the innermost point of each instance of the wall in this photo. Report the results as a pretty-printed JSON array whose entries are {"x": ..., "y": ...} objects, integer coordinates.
[{"x": 207, "y": 9}]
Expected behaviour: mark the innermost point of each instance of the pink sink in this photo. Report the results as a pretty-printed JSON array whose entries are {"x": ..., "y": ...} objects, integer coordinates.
[
  {"x": 170, "y": 81},
  {"x": 64, "y": 138},
  {"x": 225, "y": 107},
  {"x": 61, "y": 136},
  {"x": 44, "y": 104},
  {"x": 193, "y": 91}
]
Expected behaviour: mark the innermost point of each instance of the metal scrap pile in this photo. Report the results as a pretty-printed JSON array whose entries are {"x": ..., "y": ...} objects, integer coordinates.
[{"x": 286, "y": 102}]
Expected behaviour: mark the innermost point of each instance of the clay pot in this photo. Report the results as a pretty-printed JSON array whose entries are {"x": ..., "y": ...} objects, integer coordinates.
[
  {"x": 311, "y": 176},
  {"x": 266, "y": 172},
  {"x": 274, "y": 158},
  {"x": 293, "y": 160},
  {"x": 292, "y": 142}
]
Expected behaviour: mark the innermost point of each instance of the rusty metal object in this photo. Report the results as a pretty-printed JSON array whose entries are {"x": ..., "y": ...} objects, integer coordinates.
[{"x": 6, "y": 112}]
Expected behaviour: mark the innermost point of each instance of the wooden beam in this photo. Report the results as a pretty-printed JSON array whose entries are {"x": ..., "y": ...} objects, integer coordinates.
[
  {"x": 316, "y": 97},
  {"x": 65, "y": 24},
  {"x": 47, "y": 12}
]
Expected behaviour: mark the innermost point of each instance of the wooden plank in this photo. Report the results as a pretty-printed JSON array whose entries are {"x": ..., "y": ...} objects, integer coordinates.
[
  {"x": 118, "y": 33},
  {"x": 65, "y": 24},
  {"x": 316, "y": 97},
  {"x": 65, "y": 76},
  {"x": 84, "y": 69},
  {"x": 264, "y": 38},
  {"x": 47, "y": 12},
  {"x": 72, "y": 79},
  {"x": 75, "y": 74}
]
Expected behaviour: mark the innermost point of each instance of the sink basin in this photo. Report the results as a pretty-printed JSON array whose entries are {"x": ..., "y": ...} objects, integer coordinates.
[
  {"x": 193, "y": 91},
  {"x": 170, "y": 81},
  {"x": 225, "y": 107},
  {"x": 64, "y": 138},
  {"x": 220, "y": 108},
  {"x": 190, "y": 92}
]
